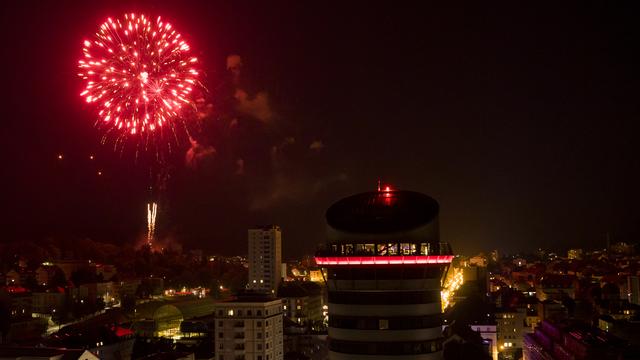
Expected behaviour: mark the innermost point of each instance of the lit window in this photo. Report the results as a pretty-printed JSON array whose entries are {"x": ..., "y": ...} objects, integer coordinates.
[{"x": 230, "y": 312}]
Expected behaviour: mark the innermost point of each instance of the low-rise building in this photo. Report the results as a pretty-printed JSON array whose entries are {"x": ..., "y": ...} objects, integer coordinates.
[
  {"x": 40, "y": 353},
  {"x": 249, "y": 327},
  {"x": 302, "y": 301},
  {"x": 48, "y": 302},
  {"x": 510, "y": 326}
]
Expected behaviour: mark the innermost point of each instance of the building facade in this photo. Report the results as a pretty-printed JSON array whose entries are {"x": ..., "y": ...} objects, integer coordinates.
[
  {"x": 385, "y": 265},
  {"x": 265, "y": 258},
  {"x": 249, "y": 328},
  {"x": 302, "y": 302},
  {"x": 511, "y": 324}
]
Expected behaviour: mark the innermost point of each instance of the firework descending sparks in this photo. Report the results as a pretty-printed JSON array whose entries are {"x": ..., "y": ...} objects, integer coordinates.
[
  {"x": 140, "y": 76},
  {"x": 152, "y": 211}
]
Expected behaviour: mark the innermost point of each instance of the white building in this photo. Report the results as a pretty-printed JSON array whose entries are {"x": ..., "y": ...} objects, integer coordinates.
[
  {"x": 249, "y": 328},
  {"x": 265, "y": 258}
]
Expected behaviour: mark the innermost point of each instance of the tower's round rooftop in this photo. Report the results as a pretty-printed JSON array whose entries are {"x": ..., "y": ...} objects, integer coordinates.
[{"x": 382, "y": 212}]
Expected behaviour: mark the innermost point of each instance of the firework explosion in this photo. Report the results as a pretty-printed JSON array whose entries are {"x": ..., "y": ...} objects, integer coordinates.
[
  {"x": 140, "y": 76},
  {"x": 152, "y": 211}
]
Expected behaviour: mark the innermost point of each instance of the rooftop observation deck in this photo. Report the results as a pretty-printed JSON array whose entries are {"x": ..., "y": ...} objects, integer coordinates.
[{"x": 386, "y": 227}]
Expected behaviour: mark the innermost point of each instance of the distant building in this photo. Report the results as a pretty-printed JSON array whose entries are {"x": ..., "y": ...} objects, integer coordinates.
[
  {"x": 463, "y": 342},
  {"x": 575, "y": 254},
  {"x": 551, "y": 310},
  {"x": 12, "y": 278},
  {"x": 265, "y": 258},
  {"x": 556, "y": 287},
  {"x": 302, "y": 301},
  {"x": 494, "y": 255},
  {"x": 40, "y": 353},
  {"x": 249, "y": 327},
  {"x": 107, "y": 272},
  {"x": 22, "y": 326},
  {"x": 553, "y": 341},
  {"x": 478, "y": 260},
  {"x": 71, "y": 266},
  {"x": 510, "y": 326},
  {"x": 316, "y": 275},
  {"x": 45, "y": 274},
  {"x": 48, "y": 302},
  {"x": 621, "y": 248},
  {"x": 520, "y": 262},
  {"x": 489, "y": 334},
  {"x": 163, "y": 318}
]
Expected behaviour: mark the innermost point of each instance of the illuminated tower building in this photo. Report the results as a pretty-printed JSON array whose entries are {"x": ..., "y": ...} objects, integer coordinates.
[
  {"x": 265, "y": 258},
  {"x": 385, "y": 265}
]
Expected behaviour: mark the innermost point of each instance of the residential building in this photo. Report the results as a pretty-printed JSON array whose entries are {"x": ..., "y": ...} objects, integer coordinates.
[
  {"x": 250, "y": 328},
  {"x": 510, "y": 326},
  {"x": 302, "y": 302},
  {"x": 265, "y": 258}
]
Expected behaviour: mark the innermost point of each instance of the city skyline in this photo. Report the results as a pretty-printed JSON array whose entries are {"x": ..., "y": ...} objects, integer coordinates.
[{"x": 520, "y": 122}]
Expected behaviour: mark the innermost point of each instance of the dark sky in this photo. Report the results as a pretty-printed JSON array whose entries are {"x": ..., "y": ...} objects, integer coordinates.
[{"x": 520, "y": 121}]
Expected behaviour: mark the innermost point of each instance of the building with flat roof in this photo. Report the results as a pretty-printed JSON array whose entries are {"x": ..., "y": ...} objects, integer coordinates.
[
  {"x": 265, "y": 258},
  {"x": 250, "y": 328}
]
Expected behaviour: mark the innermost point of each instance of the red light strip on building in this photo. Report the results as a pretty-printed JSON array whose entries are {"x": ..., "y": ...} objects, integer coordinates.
[{"x": 384, "y": 260}]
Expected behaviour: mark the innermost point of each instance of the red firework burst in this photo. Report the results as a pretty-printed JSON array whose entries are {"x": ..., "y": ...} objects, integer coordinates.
[{"x": 139, "y": 74}]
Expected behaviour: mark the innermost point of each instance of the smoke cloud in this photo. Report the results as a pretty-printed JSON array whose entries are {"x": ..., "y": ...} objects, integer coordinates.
[{"x": 197, "y": 154}]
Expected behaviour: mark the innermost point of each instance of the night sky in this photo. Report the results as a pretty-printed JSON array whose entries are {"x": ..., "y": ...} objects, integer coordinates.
[{"x": 520, "y": 121}]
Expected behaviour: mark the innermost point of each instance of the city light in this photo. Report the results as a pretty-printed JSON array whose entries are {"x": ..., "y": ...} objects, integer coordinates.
[
  {"x": 452, "y": 284},
  {"x": 385, "y": 260}
]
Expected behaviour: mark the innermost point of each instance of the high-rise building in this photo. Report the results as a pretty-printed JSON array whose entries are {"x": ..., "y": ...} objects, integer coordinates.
[
  {"x": 385, "y": 264},
  {"x": 249, "y": 327},
  {"x": 265, "y": 258}
]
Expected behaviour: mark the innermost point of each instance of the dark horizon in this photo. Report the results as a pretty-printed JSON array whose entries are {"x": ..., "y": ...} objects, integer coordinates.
[{"x": 520, "y": 121}]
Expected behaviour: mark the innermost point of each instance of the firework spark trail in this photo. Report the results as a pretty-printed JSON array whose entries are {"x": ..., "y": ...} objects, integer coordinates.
[
  {"x": 152, "y": 211},
  {"x": 140, "y": 76}
]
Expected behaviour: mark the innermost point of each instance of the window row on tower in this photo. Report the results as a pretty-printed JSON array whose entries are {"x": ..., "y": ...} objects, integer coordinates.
[{"x": 388, "y": 249}]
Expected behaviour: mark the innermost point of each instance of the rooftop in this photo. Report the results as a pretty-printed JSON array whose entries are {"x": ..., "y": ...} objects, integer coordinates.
[{"x": 385, "y": 211}]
